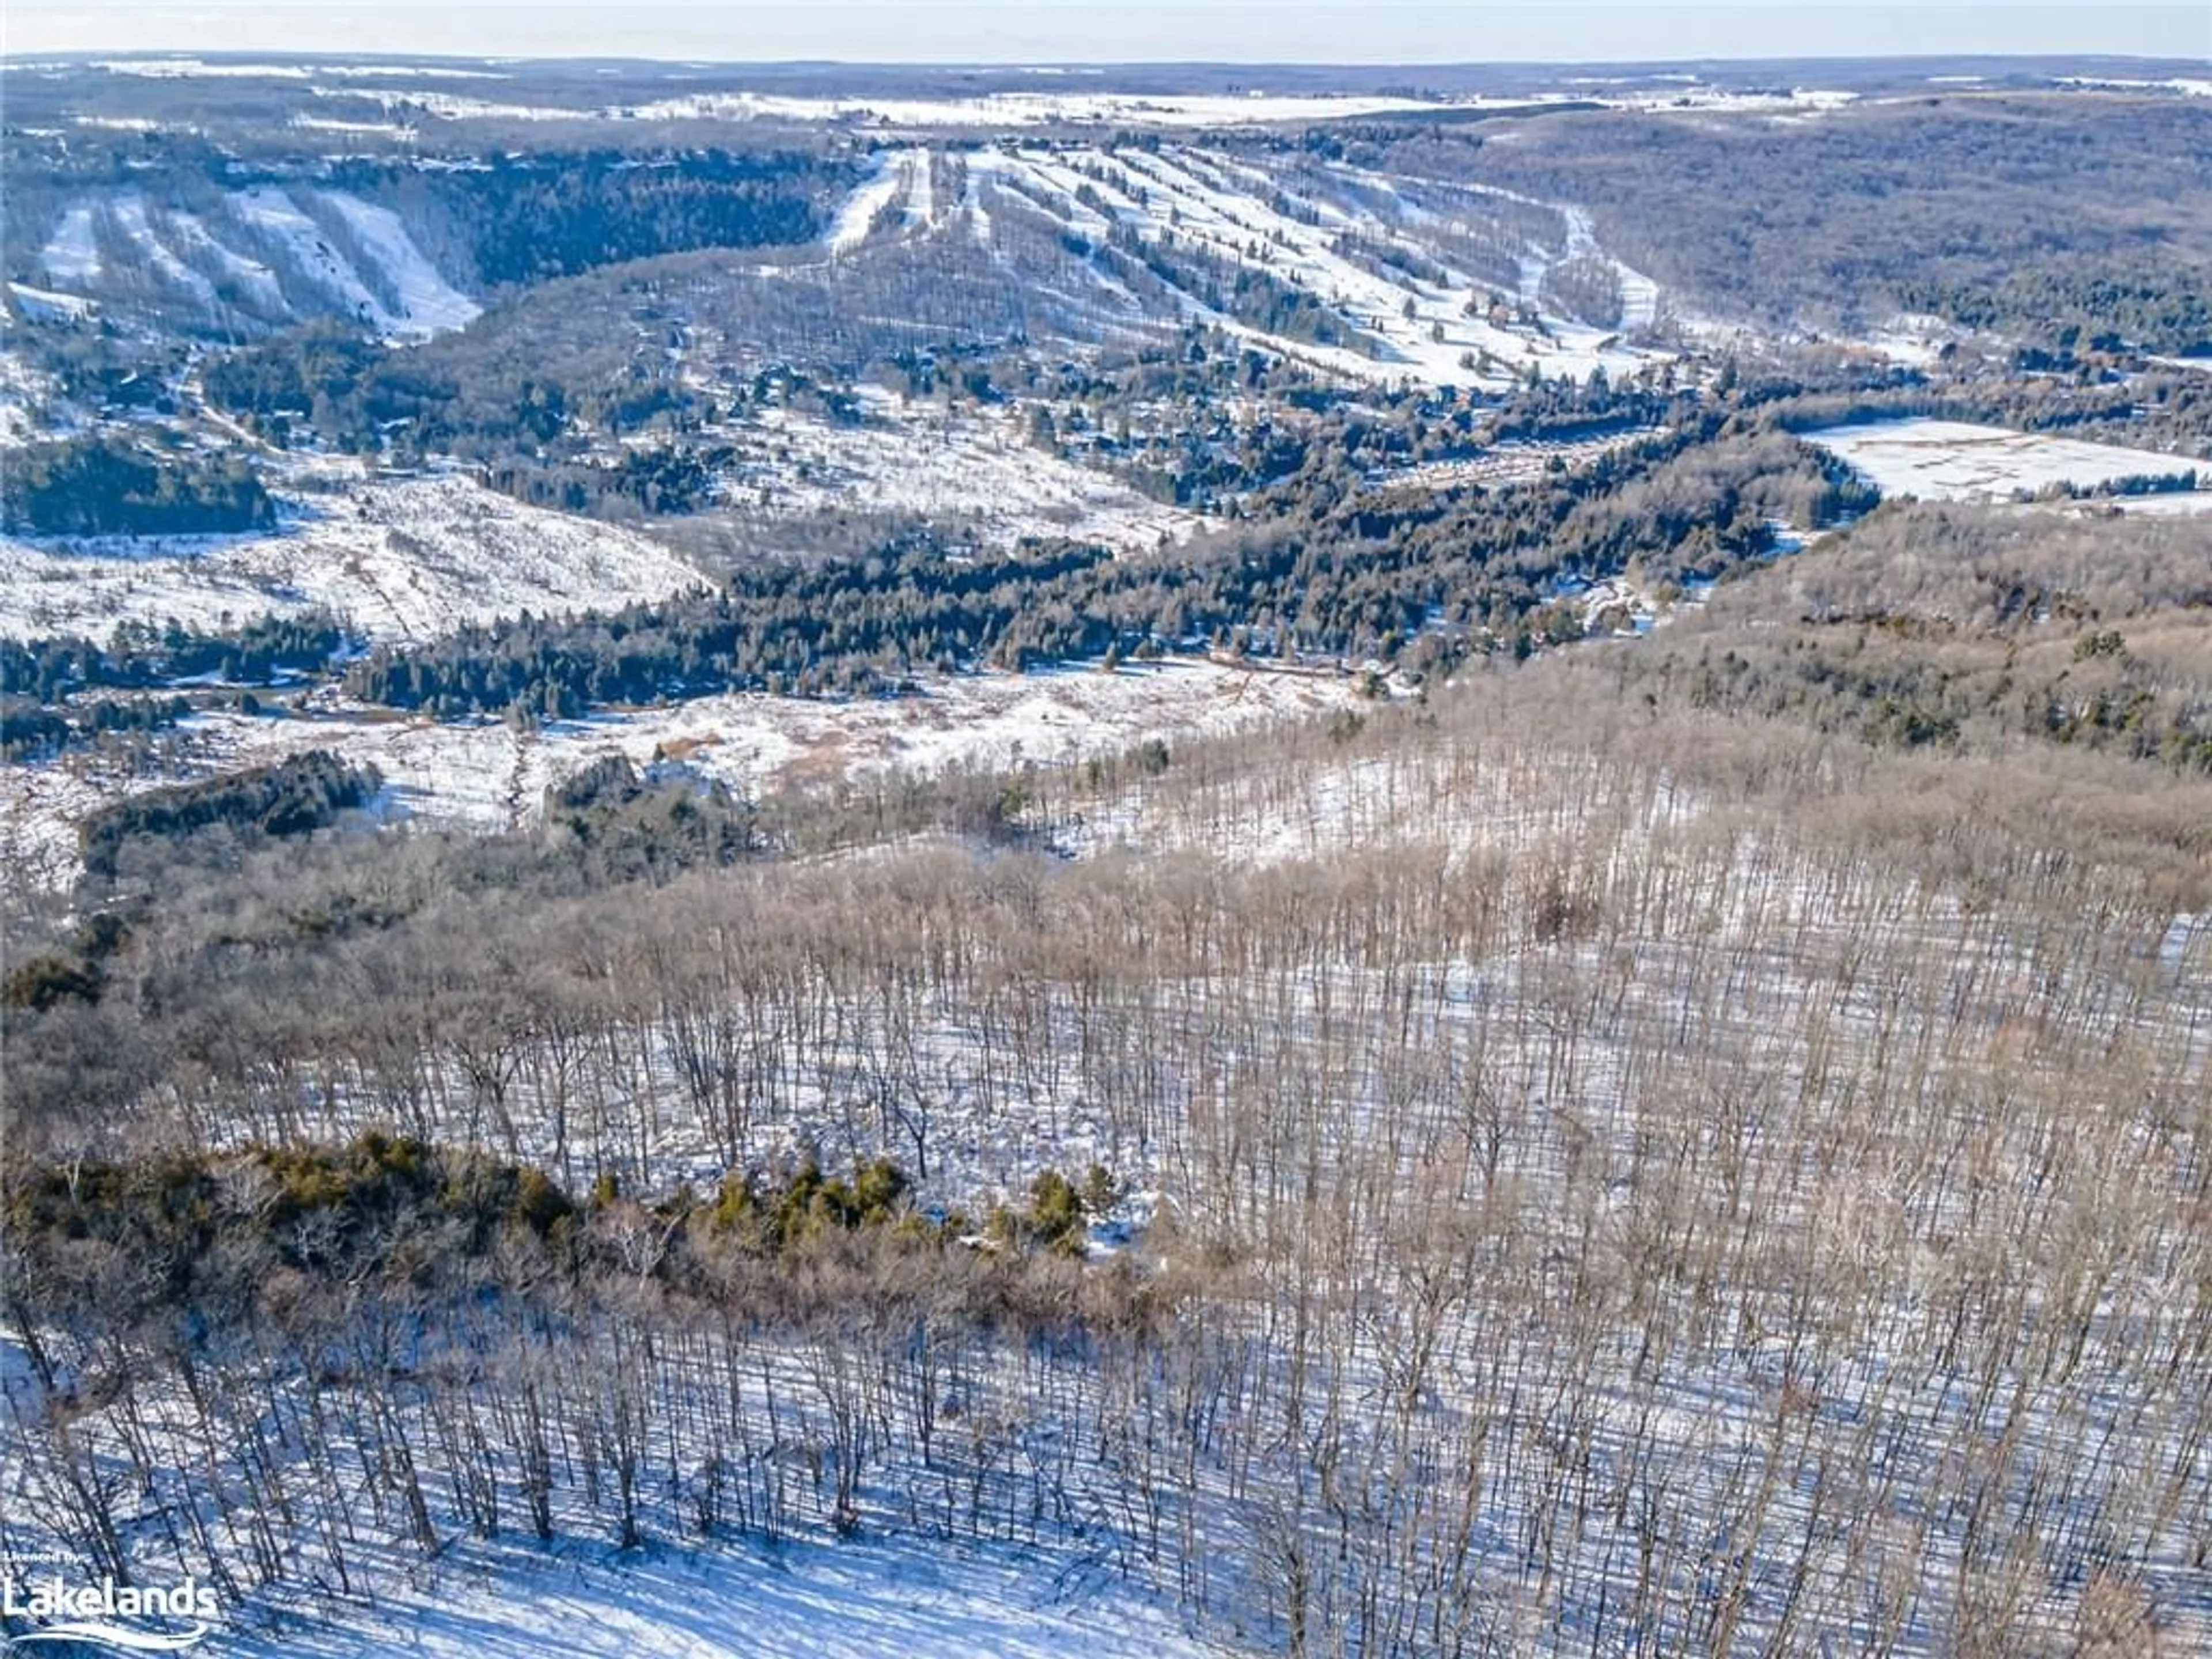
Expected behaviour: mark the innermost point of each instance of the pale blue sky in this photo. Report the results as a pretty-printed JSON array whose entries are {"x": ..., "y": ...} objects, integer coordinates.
[{"x": 968, "y": 31}]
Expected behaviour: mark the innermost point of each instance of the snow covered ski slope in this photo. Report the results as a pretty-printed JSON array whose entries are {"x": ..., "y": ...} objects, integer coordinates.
[{"x": 1444, "y": 283}]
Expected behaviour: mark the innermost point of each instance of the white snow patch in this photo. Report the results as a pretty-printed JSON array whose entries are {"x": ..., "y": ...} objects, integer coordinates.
[
  {"x": 1034, "y": 109},
  {"x": 914, "y": 458},
  {"x": 428, "y": 304},
  {"x": 128, "y": 124},
  {"x": 268, "y": 209},
  {"x": 173, "y": 69},
  {"x": 71, "y": 255},
  {"x": 857, "y": 214},
  {"x": 44, "y": 304},
  {"x": 449, "y": 106},
  {"x": 1953, "y": 461},
  {"x": 251, "y": 280},
  {"x": 131, "y": 216},
  {"x": 856, "y": 1600},
  {"x": 403, "y": 559},
  {"x": 352, "y": 129}
]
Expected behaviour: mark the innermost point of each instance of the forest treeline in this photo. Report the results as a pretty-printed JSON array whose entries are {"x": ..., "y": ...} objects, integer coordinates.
[
  {"x": 1413, "y": 575},
  {"x": 137, "y": 655},
  {"x": 1928, "y": 621},
  {"x": 530, "y": 217},
  {"x": 31, "y": 728}
]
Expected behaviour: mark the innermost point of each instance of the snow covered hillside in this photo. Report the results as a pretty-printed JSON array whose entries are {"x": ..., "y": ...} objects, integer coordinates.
[
  {"x": 265, "y": 253},
  {"x": 1393, "y": 264},
  {"x": 401, "y": 559},
  {"x": 975, "y": 467}
]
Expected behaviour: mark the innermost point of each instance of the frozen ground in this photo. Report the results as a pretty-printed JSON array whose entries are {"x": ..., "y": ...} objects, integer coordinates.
[
  {"x": 866, "y": 1600},
  {"x": 403, "y": 559},
  {"x": 1953, "y": 461},
  {"x": 486, "y": 775}
]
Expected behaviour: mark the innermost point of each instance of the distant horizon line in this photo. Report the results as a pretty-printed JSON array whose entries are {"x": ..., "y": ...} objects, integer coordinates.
[{"x": 94, "y": 55}]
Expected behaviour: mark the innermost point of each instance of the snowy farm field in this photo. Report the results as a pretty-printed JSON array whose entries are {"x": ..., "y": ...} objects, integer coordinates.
[{"x": 1954, "y": 461}]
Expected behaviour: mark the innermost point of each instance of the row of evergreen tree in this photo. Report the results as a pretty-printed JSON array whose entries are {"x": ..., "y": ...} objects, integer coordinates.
[
  {"x": 107, "y": 486},
  {"x": 1351, "y": 574}
]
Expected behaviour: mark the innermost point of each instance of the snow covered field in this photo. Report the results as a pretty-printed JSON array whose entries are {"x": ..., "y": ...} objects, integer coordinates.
[
  {"x": 1064, "y": 96},
  {"x": 911, "y": 457},
  {"x": 486, "y": 775},
  {"x": 1030, "y": 109},
  {"x": 402, "y": 559},
  {"x": 1953, "y": 461}
]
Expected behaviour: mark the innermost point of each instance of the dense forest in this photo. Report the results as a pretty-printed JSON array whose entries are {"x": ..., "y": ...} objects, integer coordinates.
[
  {"x": 138, "y": 655},
  {"x": 531, "y": 217},
  {"x": 100, "y": 486},
  {"x": 2033, "y": 216},
  {"x": 293, "y": 797}
]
